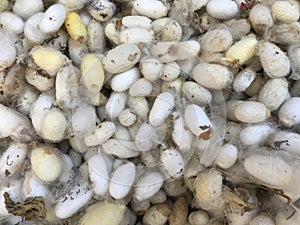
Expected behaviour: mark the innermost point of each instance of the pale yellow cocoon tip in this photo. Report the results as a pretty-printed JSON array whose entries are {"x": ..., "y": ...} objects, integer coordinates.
[
  {"x": 48, "y": 59},
  {"x": 92, "y": 72},
  {"x": 104, "y": 213},
  {"x": 75, "y": 27},
  {"x": 4, "y": 5},
  {"x": 242, "y": 51}
]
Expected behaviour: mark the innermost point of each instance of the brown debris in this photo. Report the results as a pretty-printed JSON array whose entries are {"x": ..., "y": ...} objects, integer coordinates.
[{"x": 31, "y": 208}]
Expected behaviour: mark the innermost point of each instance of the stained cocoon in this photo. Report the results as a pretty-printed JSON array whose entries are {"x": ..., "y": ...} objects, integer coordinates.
[{"x": 198, "y": 122}]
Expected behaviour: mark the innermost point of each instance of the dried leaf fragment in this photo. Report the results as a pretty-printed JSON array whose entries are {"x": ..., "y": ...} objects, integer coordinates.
[{"x": 31, "y": 208}]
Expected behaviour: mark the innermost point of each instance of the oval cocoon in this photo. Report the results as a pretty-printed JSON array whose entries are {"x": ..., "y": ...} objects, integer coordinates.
[
  {"x": 92, "y": 72},
  {"x": 122, "y": 180},
  {"x": 270, "y": 170},
  {"x": 148, "y": 185},
  {"x": 162, "y": 108},
  {"x": 198, "y": 122},
  {"x": 212, "y": 76}
]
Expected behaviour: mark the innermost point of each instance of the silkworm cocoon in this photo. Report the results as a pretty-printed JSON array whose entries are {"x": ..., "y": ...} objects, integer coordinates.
[
  {"x": 285, "y": 11},
  {"x": 122, "y": 133},
  {"x": 179, "y": 211},
  {"x": 8, "y": 53},
  {"x": 232, "y": 131},
  {"x": 33, "y": 186},
  {"x": 255, "y": 134},
  {"x": 170, "y": 71},
  {"x": 161, "y": 109},
  {"x": 96, "y": 37},
  {"x": 32, "y": 31},
  {"x": 76, "y": 51},
  {"x": 199, "y": 217},
  {"x": 157, "y": 214},
  {"x": 136, "y": 35},
  {"x": 140, "y": 88},
  {"x": 26, "y": 100},
  {"x": 12, "y": 159},
  {"x": 287, "y": 216},
  {"x": 165, "y": 51},
  {"x": 66, "y": 87},
  {"x": 153, "y": 9},
  {"x": 227, "y": 156},
  {"x": 289, "y": 114},
  {"x": 4, "y": 5},
  {"x": 198, "y": 122},
  {"x": 273, "y": 93},
  {"x": 38, "y": 110},
  {"x": 127, "y": 117},
  {"x": 269, "y": 170},
  {"x": 26, "y": 9},
  {"x": 251, "y": 112},
  {"x": 243, "y": 79},
  {"x": 151, "y": 68},
  {"x": 54, "y": 125},
  {"x": 294, "y": 54},
  {"x": 121, "y": 58},
  {"x": 73, "y": 200},
  {"x": 104, "y": 213},
  {"x": 39, "y": 78},
  {"x": 238, "y": 28},
  {"x": 75, "y": 27},
  {"x": 102, "y": 10},
  {"x": 181, "y": 136},
  {"x": 120, "y": 148},
  {"x": 53, "y": 18},
  {"x": 242, "y": 50},
  {"x": 188, "y": 49},
  {"x": 100, "y": 134},
  {"x": 45, "y": 157},
  {"x": 273, "y": 60},
  {"x": 122, "y": 81},
  {"x": 212, "y": 76},
  {"x": 148, "y": 185},
  {"x": 262, "y": 219},
  {"x": 143, "y": 138},
  {"x": 286, "y": 34},
  {"x": 14, "y": 125},
  {"x": 172, "y": 86},
  {"x": 285, "y": 140},
  {"x": 67, "y": 167},
  {"x": 208, "y": 189},
  {"x": 172, "y": 163},
  {"x": 262, "y": 23},
  {"x": 218, "y": 39},
  {"x": 115, "y": 104},
  {"x": 171, "y": 31},
  {"x": 12, "y": 22},
  {"x": 98, "y": 174},
  {"x": 122, "y": 180},
  {"x": 112, "y": 33},
  {"x": 158, "y": 24},
  {"x": 136, "y": 21},
  {"x": 159, "y": 197},
  {"x": 92, "y": 72},
  {"x": 73, "y": 5},
  {"x": 140, "y": 106},
  {"x": 55, "y": 59},
  {"x": 196, "y": 93},
  {"x": 221, "y": 9}
]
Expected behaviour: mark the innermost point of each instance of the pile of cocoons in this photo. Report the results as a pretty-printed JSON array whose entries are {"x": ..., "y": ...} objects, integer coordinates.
[{"x": 149, "y": 112}]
